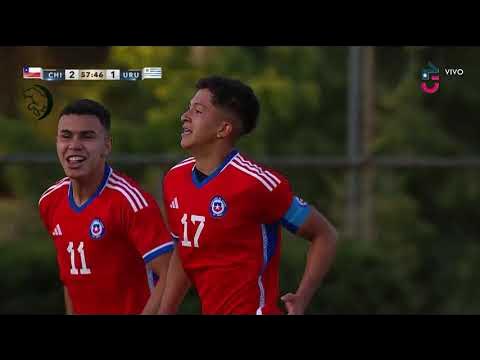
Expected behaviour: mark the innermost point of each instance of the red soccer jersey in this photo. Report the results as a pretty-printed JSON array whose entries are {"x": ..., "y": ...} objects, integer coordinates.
[
  {"x": 228, "y": 231},
  {"x": 104, "y": 245}
]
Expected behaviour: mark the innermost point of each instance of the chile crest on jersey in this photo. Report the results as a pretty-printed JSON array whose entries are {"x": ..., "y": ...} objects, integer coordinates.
[
  {"x": 218, "y": 206},
  {"x": 97, "y": 229}
]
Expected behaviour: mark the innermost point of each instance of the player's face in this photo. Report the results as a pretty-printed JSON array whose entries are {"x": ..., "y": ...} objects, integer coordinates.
[
  {"x": 201, "y": 122},
  {"x": 82, "y": 145}
]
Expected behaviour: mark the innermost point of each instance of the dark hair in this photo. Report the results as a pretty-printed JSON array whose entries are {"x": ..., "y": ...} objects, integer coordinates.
[
  {"x": 89, "y": 107},
  {"x": 235, "y": 96}
]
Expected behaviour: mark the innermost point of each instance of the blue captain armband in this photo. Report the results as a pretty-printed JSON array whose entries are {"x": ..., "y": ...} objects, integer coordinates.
[{"x": 296, "y": 215}]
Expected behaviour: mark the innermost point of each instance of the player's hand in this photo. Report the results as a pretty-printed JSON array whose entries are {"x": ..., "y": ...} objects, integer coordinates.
[{"x": 294, "y": 304}]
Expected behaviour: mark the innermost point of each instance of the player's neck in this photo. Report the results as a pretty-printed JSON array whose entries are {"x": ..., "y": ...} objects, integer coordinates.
[
  {"x": 84, "y": 188},
  {"x": 208, "y": 161}
]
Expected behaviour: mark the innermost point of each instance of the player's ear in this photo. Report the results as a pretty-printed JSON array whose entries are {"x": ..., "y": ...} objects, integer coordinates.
[
  {"x": 108, "y": 145},
  {"x": 225, "y": 129}
]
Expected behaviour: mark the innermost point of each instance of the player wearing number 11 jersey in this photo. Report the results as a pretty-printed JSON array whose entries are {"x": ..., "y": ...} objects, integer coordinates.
[
  {"x": 226, "y": 212},
  {"x": 109, "y": 236}
]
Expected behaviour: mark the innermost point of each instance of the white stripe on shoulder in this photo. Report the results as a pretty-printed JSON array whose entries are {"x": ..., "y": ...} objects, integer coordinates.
[
  {"x": 276, "y": 179},
  {"x": 55, "y": 185},
  {"x": 258, "y": 171},
  {"x": 51, "y": 189},
  {"x": 114, "y": 182},
  {"x": 187, "y": 159},
  {"x": 139, "y": 194},
  {"x": 251, "y": 173},
  {"x": 62, "y": 180},
  {"x": 192, "y": 160},
  {"x": 124, "y": 193},
  {"x": 228, "y": 163},
  {"x": 259, "y": 168}
]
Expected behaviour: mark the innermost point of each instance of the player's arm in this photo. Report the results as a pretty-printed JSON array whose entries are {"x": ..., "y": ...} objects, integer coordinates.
[
  {"x": 147, "y": 231},
  {"x": 160, "y": 266},
  {"x": 68, "y": 302},
  {"x": 323, "y": 237},
  {"x": 176, "y": 287}
]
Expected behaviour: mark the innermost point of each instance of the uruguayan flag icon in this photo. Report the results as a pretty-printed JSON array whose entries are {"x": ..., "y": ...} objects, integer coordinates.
[{"x": 152, "y": 73}]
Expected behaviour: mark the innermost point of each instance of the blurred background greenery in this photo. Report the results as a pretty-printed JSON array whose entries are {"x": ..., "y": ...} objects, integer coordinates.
[{"x": 420, "y": 251}]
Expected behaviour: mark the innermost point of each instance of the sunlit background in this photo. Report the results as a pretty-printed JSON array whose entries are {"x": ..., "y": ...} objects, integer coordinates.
[{"x": 394, "y": 168}]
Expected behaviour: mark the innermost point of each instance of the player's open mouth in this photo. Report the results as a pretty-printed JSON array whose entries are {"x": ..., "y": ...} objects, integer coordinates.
[
  {"x": 186, "y": 131},
  {"x": 75, "y": 159}
]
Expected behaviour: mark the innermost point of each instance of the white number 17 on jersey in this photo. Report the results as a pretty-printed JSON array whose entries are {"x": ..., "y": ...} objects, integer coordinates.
[{"x": 194, "y": 219}]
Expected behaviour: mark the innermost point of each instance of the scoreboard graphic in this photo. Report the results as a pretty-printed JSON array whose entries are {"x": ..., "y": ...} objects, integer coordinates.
[{"x": 39, "y": 73}]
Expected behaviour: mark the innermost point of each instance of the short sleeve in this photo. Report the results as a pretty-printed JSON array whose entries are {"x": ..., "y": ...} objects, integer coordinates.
[
  {"x": 275, "y": 199},
  {"x": 168, "y": 209},
  {"x": 279, "y": 204},
  {"x": 43, "y": 212},
  {"x": 147, "y": 230}
]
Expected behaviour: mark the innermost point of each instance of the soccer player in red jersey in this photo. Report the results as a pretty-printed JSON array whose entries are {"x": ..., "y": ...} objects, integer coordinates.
[
  {"x": 112, "y": 246},
  {"x": 226, "y": 212}
]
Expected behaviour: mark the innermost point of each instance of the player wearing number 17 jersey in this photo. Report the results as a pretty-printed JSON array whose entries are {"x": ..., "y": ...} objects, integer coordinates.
[
  {"x": 226, "y": 212},
  {"x": 109, "y": 236}
]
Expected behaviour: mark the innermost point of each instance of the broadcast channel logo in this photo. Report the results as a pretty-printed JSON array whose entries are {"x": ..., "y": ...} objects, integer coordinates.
[{"x": 430, "y": 73}]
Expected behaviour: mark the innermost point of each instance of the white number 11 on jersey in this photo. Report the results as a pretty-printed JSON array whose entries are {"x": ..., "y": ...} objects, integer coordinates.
[{"x": 84, "y": 270}]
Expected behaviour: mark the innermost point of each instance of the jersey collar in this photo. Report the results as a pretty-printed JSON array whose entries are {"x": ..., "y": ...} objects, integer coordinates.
[
  {"x": 103, "y": 183},
  {"x": 218, "y": 170}
]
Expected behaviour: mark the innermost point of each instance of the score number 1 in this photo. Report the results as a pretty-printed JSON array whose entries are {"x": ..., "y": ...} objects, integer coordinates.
[{"x": 113, "y": 74}]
